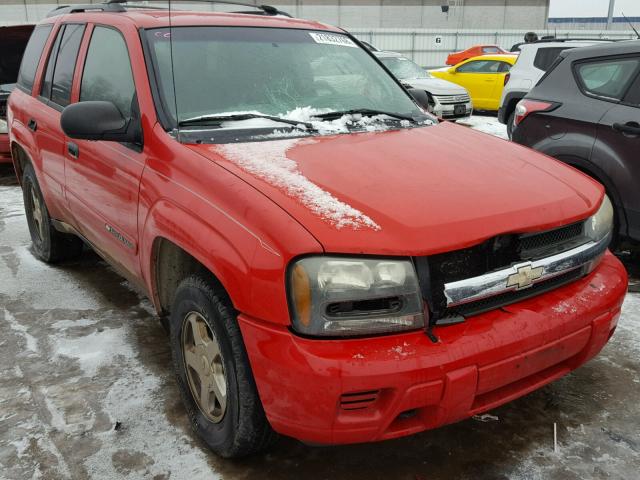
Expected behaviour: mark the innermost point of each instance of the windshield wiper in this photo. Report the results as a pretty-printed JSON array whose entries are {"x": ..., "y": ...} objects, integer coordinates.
[
  {"x": 367, "y": 112},
  {"x": 218, "y": 119}
]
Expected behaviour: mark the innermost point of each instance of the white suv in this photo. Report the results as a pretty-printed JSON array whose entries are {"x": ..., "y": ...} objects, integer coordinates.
[{"x": 533, "y": 62}]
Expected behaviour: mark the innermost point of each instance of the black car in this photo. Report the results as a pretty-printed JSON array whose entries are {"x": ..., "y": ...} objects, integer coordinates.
[{"x": 585, "y": 112}]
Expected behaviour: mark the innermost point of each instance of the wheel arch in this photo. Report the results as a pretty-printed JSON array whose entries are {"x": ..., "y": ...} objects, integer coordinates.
[
  {"x": 595, "y": 172},
  {"x": 170, "y": 265},
  {"x": 20, "y": 159}
]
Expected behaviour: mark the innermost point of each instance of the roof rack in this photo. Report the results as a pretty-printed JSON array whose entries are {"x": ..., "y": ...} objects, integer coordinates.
[{"x": 119, "y": 6}]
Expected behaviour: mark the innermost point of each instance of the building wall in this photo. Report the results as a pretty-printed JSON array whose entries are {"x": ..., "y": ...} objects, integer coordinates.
[
  {"x": 493, "y": 14},
  {"x": 430, "y": 47}
]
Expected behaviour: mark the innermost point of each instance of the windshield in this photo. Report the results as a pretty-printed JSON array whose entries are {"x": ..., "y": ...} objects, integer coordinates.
[
  {"x": 269, "y": 71},
  {"x": 404, "y": 68}
]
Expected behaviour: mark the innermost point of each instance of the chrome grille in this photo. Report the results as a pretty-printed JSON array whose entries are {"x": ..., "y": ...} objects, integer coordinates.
[
  {"x": 451, "y": 99},
  {"x": 453, "y": 283}
]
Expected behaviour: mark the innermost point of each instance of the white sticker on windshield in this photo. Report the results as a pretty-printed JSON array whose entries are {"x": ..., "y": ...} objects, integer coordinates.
[{"x": 332, "y": 39}]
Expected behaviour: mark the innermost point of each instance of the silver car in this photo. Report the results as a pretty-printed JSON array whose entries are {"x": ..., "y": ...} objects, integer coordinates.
[{"x": 446, "y": 100}]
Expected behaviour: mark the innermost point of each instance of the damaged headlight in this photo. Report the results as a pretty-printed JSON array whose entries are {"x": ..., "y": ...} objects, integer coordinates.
[
  {"x": 598, "y": 226},
  {"x": 340, "y": 296}
]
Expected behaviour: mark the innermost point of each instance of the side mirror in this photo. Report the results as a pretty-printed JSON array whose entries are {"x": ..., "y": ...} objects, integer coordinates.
[
  {"x": 420, "y": 96},
  {"x": 97, "y": 120},
  {"x": 452, "y": 71}
]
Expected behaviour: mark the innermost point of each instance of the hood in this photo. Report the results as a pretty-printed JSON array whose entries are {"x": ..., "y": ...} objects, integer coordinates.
[
  {"x": 411, "y": 192},
  {"x": 436, "y": 86}
]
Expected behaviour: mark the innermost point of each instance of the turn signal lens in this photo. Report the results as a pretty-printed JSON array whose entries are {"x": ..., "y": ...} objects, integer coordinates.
[{"x": 301, "y": 292}]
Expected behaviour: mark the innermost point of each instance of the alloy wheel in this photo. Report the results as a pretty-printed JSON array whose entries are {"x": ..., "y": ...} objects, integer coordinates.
[{"x": 204, "y": 366}]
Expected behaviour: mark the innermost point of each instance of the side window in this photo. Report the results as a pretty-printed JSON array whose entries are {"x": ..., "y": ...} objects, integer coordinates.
[
  {"x": 546, "y": 56},
  {"x": 61, "y": 65},
  {"x": 66, "y": 64},
  {"x": 504, "y": 67},
  {"x": 32, "y": 54},
  {"x": 107, "y": 74},
  {"x": 45, "y": 89},
  {"x": 480, "y": 66},
  {"x": 608, "y": 78},
  {"x": 490, "y": 50}
]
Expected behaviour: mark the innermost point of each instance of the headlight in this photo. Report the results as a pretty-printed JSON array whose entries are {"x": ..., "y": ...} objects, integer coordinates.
[
  {"x": 598, "y": 226},
  {"x": 337, "y": 296},
  {"x": 3, "y": 126}
]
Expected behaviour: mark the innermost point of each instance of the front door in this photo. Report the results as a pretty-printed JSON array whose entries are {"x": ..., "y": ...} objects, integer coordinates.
[
  {"x": 481, "y": 78},
  {"x": 103, "y": 178}
]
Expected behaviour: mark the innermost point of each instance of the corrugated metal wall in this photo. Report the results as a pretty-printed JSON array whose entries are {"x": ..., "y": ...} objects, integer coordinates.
[{"x": 430, "y": 47}]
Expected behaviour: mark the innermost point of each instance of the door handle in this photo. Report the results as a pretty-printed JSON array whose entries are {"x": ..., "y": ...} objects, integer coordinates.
[
  {"x": 33, "y": 125},
  {"x": 73, "y": 149},
  {"x": 629, "y": 128}
]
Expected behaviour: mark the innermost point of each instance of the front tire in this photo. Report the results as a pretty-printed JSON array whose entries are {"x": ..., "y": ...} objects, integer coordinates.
[
  {"x": 49, "y": 245},
  {"x": 213, "y": 372}
]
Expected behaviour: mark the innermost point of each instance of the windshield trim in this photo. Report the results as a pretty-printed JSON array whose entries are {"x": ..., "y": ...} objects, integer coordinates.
[{"x": 162, "y": 110}]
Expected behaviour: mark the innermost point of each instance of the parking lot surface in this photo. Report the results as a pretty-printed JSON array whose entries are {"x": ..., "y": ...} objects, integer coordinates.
[{"x": 87, "y": 391}]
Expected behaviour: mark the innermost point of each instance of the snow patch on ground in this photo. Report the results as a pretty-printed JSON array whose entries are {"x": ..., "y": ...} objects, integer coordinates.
[
  {"x": 268, "y": 161},
  {"x": 32, "y": 343},
  {"x": 94, "y": 350},
  {"x": 83, "y": 322},
  {"x": 135, "y": 401}
]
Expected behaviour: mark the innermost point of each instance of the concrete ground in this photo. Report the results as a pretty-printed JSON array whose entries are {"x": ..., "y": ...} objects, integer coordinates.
[{"x": 87, "y": 391}]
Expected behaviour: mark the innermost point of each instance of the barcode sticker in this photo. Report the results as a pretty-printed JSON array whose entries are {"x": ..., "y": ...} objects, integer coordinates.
[{"x": 333, "y": 39}]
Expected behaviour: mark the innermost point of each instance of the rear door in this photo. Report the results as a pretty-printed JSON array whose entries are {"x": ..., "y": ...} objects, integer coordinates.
[
  {"x": 55, "y": 94},
  {"x": 103, "y": 178},
  {"x": 480, "y": 78},
  {"x": 617, "y": 82}
]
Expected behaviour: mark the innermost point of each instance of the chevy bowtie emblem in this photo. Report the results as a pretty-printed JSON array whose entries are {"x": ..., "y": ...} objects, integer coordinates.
[{"x": 524, "y": 277}]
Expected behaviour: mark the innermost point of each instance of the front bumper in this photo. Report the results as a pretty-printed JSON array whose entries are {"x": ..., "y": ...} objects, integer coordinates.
[
  {"x": 360, "y": 390},
  {"x": 447, "y": 111}
]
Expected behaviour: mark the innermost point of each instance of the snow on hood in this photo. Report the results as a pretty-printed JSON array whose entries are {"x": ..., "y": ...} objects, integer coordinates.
[
  {"x": 268, "y": 161},
  {"x": 344, "y": 124}
]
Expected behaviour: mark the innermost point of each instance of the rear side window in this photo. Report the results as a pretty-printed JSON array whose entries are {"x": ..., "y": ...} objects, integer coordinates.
[
  {"x": 32, "y": 55},
  {"x": 490, "y": 50},
  {"x": 546, "y": 56},
  {"x": 61, "y": 65},
  {"x": 107, "y": 72},
  {"x": 481, "y": 66},
  {"x": 608, "y": 78}
]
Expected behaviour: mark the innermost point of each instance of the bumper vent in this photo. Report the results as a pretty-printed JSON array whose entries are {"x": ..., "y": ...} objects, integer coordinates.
[{"x": 358, "y": 400}]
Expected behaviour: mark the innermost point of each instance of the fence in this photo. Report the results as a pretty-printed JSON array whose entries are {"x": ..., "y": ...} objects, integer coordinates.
[{"x": 430, "y": 47}]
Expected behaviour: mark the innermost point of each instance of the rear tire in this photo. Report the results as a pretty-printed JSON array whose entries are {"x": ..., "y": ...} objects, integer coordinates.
[
  {"x": 213, "y": 372},
  {"x": 49, "y": 245}
]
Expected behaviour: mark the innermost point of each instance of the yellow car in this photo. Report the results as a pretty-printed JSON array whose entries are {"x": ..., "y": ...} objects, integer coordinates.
[{"x": 484, "y": 77}]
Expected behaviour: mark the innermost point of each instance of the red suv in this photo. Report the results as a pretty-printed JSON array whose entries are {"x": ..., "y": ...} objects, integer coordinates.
[{"x": 332, "y": 264}]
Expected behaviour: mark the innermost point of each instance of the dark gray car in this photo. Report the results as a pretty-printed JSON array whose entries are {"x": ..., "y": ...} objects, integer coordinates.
[{"x": 586, "y": 112}]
